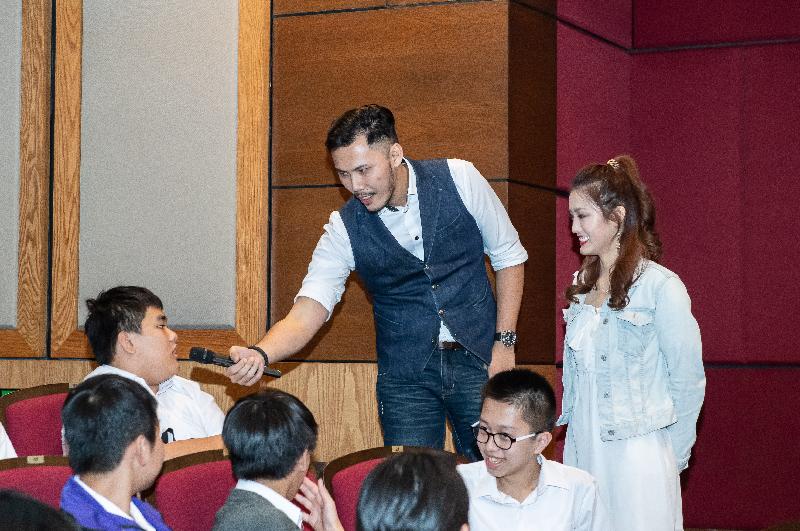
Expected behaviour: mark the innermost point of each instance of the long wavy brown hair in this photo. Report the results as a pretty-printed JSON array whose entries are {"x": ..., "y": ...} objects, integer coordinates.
[{"x": 608, "y": 186}]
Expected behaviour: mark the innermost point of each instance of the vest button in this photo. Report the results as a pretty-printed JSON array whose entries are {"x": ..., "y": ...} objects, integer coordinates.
[
  {"x": 434, "y": 286},
  {"x": 441, "y": 312}
]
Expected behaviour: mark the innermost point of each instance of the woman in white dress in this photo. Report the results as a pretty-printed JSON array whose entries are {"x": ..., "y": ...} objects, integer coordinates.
[{"x": 633, "y": 375}]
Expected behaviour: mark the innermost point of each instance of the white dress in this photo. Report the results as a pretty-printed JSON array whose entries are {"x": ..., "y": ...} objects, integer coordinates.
[{"x": 638, "y": 476}]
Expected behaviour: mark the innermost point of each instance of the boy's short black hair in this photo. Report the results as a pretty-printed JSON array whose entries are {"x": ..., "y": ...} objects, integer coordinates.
[
  {"x": 413, "y": 490},
  {"x": 528, "y": 391},
  {"x": 120, "y": 309},
  {"x": 266, "y": 433},
  {"x": 102, "y": 416}
]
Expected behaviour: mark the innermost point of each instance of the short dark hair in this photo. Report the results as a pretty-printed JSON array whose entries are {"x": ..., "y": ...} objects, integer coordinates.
[
  {"x": 120, "y": 309},
  {"x": 418, "y": 490},
  {"x": 528, "y": 391},
  {"x": 102, "y": 416},
  {"x": 21, "y": 512},
  {"x": 266, "y": 433},
  {"x": 373, "y": 121}
]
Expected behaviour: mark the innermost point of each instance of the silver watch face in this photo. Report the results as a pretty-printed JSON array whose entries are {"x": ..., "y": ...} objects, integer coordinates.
[{"x": 508, "y": 338}]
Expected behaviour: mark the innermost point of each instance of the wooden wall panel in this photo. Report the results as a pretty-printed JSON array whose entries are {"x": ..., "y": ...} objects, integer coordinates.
[
  {"x": 298, "y": 216},
  {"x": 532, "y": 97},
  {"x": 67, "y": 340},
  {"x": 533, "y": 214},
  {"x": 281, "y": 7},
  {"x": 341, "y": 395},
  {"x": 28, "y": 338},
  {"x": 441, "y": 68}
]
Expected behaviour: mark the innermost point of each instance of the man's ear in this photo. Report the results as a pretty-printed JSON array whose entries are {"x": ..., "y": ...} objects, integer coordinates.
[
  {"x": 125, "y": 343},
  {"x": 395, "y": 155},
  {"x": 542, "y": 440},
  {"x": 303, "y": 462},
  {"x": 141, "y": 449}
]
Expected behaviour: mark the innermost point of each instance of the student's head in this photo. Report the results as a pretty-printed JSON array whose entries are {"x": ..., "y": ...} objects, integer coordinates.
[
  {"x": 414, "y": 491},
  {"x": 270, "y": 436},
  {"x": 127, "y": 328},
  {"x": 519, "y": 408},
  {"x": 367, "y": 156},
  {"x": 613, "y": 217},
  {"x": 110, "y": 422},
  {"x": 19, "y": 512}
]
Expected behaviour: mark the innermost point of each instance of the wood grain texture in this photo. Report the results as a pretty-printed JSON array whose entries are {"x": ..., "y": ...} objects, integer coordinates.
[
  {"x": 252, "y": 192},
  {"x": 531, "y": 97},
  {"x": 66, "y": 171},
  {"x": 441, "y": 68},
  {"x": 298, "y": 216},
  {"x": 282, "y": 7},
  {"x": 533, "y": 213},
  {"x": 340, "y": 395},
  {"x": 28, "y": 338}
]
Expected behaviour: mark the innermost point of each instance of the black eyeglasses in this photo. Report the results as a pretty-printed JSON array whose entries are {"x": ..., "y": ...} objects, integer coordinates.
[{"x": 501, "y": 440}]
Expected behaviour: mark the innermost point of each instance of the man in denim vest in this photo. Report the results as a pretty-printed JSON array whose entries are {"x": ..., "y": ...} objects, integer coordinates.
[{"x": 416, "y": 233}]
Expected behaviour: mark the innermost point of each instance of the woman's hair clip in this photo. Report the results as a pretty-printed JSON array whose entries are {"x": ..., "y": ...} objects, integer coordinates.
[{"x": 613, "y": 163}]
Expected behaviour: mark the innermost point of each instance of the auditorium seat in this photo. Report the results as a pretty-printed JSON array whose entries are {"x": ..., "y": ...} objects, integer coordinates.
[
  {"x": 41, "y": 477},
  {"x": 192, "y": 488},
  {"x": 32, "y": 418}
]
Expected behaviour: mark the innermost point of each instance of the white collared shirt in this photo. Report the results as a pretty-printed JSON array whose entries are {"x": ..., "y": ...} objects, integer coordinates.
[
  {"x": 6, "y": 448},
  {"x": 183, "y": 406},
  {"x": 333, "y": 259},
  {"x": 565, "y": 499},
  {"x": 110, "y": 507},
  {"x": 282, "y": 504}
]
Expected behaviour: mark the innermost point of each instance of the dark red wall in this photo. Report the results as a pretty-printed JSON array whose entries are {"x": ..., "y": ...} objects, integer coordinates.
[{"x": 716, "y": 132}]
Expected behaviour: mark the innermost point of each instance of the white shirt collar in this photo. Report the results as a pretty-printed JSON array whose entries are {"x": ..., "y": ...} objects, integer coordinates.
[
  {"x": 487, "y": 485},
  {"x": 412, "y": 192},
  {"x": 282, "y": 504},
  {"x": 110, "y": 507},
  {"x": 110, "y": 369}
]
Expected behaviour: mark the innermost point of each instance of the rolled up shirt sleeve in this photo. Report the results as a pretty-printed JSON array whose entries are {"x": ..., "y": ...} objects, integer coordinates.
[
  {"x": 500, "y": 239},
  {"x": 331, "y": 264}
]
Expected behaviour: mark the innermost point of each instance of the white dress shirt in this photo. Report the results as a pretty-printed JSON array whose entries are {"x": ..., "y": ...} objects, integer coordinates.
[
  {"x": 565, "y": 499},
  {"x": 6, "y": 448},
  {"x": 333, "y": 259},
  {"x": 182, "y": 405},
  {"x": 111, "y": 507},
  {"x": 282, "y": 504}
]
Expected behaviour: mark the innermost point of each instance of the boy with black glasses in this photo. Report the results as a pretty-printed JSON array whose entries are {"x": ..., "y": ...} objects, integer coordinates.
[{"x": 515, "y": 487}]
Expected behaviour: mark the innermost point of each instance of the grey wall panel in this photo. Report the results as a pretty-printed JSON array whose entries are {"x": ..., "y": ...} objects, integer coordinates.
[
  {"x": 10, "y": 54},
  {"x": 158, "y": 154}
]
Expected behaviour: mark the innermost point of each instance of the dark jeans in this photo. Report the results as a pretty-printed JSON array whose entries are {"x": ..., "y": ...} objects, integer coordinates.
[{"x": 413, "y": 413}]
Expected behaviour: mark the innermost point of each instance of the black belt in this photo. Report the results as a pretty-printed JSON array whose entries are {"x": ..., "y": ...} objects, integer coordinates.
[{"x": 450, "y": 345}]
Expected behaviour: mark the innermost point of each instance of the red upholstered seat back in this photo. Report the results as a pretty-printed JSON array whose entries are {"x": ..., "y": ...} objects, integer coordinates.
[
  {"x": 189, "y": 498},
  {"x": 34, "y": 425},
  {"x": 41, "y": 482},
  {"x": 346, "y": 486}
]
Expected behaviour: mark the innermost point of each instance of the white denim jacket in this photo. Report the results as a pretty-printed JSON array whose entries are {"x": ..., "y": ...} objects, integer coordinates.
[{"x": 649, "y": 366}]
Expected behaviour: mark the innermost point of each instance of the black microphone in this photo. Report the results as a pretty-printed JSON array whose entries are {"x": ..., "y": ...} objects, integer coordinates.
[{"x": 203, "y": 355}]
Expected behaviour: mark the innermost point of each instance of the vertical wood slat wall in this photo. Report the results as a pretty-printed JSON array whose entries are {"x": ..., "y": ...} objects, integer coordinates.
[{"x": 28, "y": 338}]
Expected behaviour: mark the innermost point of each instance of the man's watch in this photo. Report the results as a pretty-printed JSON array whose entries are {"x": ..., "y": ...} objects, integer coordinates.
[{"x": 507, "y": 337}]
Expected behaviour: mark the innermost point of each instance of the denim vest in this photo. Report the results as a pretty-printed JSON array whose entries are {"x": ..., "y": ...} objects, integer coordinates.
[
  {"x": 411, "y": 297},
  {"x": 648, "y": 360}
]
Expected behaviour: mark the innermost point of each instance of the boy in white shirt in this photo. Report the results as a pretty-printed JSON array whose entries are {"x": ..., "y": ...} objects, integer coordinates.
[
  {"x": 127, "y": 329},
  {"x": 6, "y": 448},
  {"x": 515, "y": 487}
]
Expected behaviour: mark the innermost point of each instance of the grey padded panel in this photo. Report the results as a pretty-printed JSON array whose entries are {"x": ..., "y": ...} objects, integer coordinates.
[
  {"x": 10, "y": 54},
  {"x": 158, "y": 154}
]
